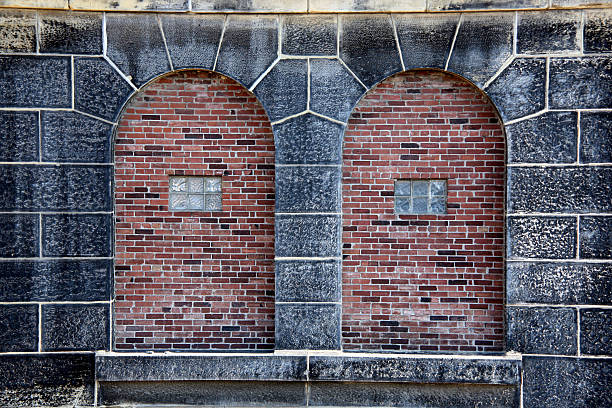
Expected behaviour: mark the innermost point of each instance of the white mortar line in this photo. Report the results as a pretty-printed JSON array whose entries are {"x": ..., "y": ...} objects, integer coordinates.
[
  {"x": 40, "y": 136},
  {"x": 578, "y": 236},
  {"x": 40, "y": 232},
  {"x": 515, "y": 33},
  {"x": 590, "y": 356},
  {"x": 327, "y": 118},
  {"x": 560, "y": 260},
  {"x": 397, "y": 44},
  {"x": 220, "y": 41},
  {"x": 303, "y": 57},
  {"x": 279, "y": 35},
  {"x": 563, "y": 55},
  {"x": 556, "y": 214},
  {"x": 16, "y": 353},
  {"x": 578, "y": 332},
  {"x": 308, "y": 84},
  {"x": 308, "y": 302},
  {"x": 72, "y": 81},
  {"x": 521, "y": 392},
  {"x": 580, "y": 36},
  {"x": 161, "y": 30},
  {"x": 338, "y": 36},
  {"x": 574, "y": 165},
  {"x": 56, "y": 212},
  {"x": 505, "y": 65},
  {"x": 308, "y": 213},
  {"x": 37, "y": 33},
  {"x": 450, "y": 52},
  {"x": 39, "y": 327},
  {"x": 307, "y": 165},
  {"x": 56, "y": 164},
  {"x": 289, "y": 117},
  {"x": 93, "y": 302},
  {"x": 578, "y": 137},
  {"x": 307, "y": 258},
  {"x": 352, "y": 73},
  {"x": 104, "y": 38},
  {"x": 558, "y": 306},
  {"x": 58, "y": 258},
  {"x": 263, "y": 75},
  {"x": 547, "y": 83},
  {"x": 96, "y": 385},
  {"x": 189, "y": 6},
  {"x": 95, "y": 117},
  {"x": 116, "y": 68}
]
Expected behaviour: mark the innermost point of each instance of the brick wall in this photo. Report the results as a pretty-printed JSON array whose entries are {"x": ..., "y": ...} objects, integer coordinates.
[
  {"x": 194, "y": 280},
  {"x": 423, "y": 282}
]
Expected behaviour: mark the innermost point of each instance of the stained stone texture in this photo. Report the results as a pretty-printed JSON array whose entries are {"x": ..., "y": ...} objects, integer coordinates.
[
  {"x": 596, "y": 237},
  {"x": 482, "y": 45},
  {"x": 567, "y": 189},
  {"x": 520, "y": 89},
  {"x": 136, "y": 46},
  {"x": 595, "y": 334},
  {"x": 425, "y": 40},
  {"x": 595, "y": 137},
  {"x": 283, "y": 91},
  {"x": 18, "y": 235},
  {"x": 249, "y": 47},
  {"x": 307, "y": 281},
  {"x": 541, "y": 330},
  {"x": 129, "y": 5},
  {"x": 440, "y": 5},
  {"x": 580, "y": 83},
  {"x": 73, "y": 137},
  {"x": 307, "y": 326},
  {"x": 548, "y": 138},
  {"x": 308, "y": 189},
  {"x": 55, "y": 280},
  {"x": 192, "y": 40},
  {"x": 309, "y": 35},
  {"x": 277, "y": 6},
  {"x": 35, "y": 82},
  {"x": 75, "y": 33},
  {"x": 19, "y": 141},
  {"x": 76, "y": 235},
  {"x": 307, "y": 235},
  {"x": 368, "y": 47},
  {"x": 75, "y": 327},
  {"x": 559, "y": 283},
  {"x": 541, "y": 237},
  {"x": 333, "y": 90},
  {"x": 55, "y": 188},
  {"x": 99, "y": 89},
  {"x": 572, "y": 3},
  {"x": 542, "y": 32},
  {"x": 308, "y": 139},
  {"x": 17, "y": 31},
  {"x": 366, "y": 5},
  {"x": 552, "y": 382},
  {"x": 597, "y": 31},
  {"x": 18, "y": 328}
]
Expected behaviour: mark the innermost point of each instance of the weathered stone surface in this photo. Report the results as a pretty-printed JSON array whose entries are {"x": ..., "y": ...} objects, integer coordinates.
[
  {"x": 368, "y": 47},
  {"x": 35, "y": 82},
  {"x": 440, "y": 5},
  {"x": 580, "y": 83},
  {"x": 366, "y": 5},
  {"x": 284, "y": 90},
  {"x": 548, "y": 138},
  {"x": 18, "y": 235},
  {"x": 277, "y": 6},
  {"x": 18, "y": 328},
  {"x": 552, "y": 382},
  {"x": 76, "y": 235},
  {"x": 55, "y": 188},
  {"x": 595, "y": 335},
  {"x": 559, "y": 283},
  {"x": 541, "y": 237},
  {"x": 307, "y": 235},
  {"x": 567, "y": 189},
  {"x": 426, "y": 40},
  {"x": 55, "y": 280},
  {"x": 482, "y": 45},
  {"x": 553, "y": 31},
  {"x": 19, "y": 141},
  {"x": 333, "y": 90},
  {"x": 596, "y": 237},
  {"x": 307, "y": 326},
  {"x": 72, "y": 137},
  {"x": 308, "y": 189},
  {"x": 75, "y": 327},
  {"x": 598, "y": 31},
  {"x": 44, "y": 380},
  {"x": 308, "y": 139},
  {"x": 573, "y": 3},
  {"x": 76, "y": 33},
  {"x": 249, "y": 47},
  {"x": 17, "y": 31},
  {"x": 99, "y": 89},
  {"x": 520, "y": 89},
  {"x": 309, "y": 35},
  {"x": 129, "y": 5},
  {"x": 308, "y": 281},
  {"x": 595, "y": 137},
  {"x": 541, "y": 330}
]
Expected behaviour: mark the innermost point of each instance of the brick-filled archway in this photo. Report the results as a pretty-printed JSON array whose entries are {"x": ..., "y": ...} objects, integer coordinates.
[
  {"x": 194, "y": 279},
  {"x": 423, "y": 282}
]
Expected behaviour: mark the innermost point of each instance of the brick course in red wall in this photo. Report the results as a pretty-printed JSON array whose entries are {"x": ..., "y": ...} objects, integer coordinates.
[
  {"x": 423, "y": 282},
  {"x": 202, "y": 279}
]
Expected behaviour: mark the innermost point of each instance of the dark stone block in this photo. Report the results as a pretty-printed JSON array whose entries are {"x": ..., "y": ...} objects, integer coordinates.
[
  {"x": 308, "y": 281},
  {"x": 308, "y": 326},
  {"x": 333, "y": 90},
  {"x": 309, "y": 35},
  {"x": 567, "y": 189},
  {"x": 249, "y": 47},
  {"x": 17, "y": 31},
  {"x": 99, "y": 89},
  {"x": 18, "y": 328},
  {"x": 482, "y": 45},
  {"x": 520, "y": 89},
  {"x": 18, "y": 235},
  {"x": 72, "y": 137},
  {"x": 55, "y": 188},
  {"x": 595, "y": 333},
  {"x": 192, "y": 40},
  {"x": 35, "y": 82},
  {"x": 595, "y": 137},
  {"x": 541, "y": 330},
  {"x": 308, "y": 189},
  {"x": 548, "y": 32},
  {"x": 65, "y": 32},
  {"x": 76, "y": 235},
  {"x": 57, "y": 280},
  {"x": 368, "y": 47},
  {"x": 308, "y": 235},
  {"x": 580, "y": 83},
  {"x": 597, "y": 30},
  {"x": 440, "y": 5},
  {"x": 308, "y": 139},
  {"x": 548, "y": 138},
  {"x": 283, "y": 91},
  {"x": 75, "y": 327},
  {"x": 37, "y": 380},
  {"x": 19, "y": 141},
  {"x": 596, "y": 237},
  {"x": 541, "y": 237},
  {"x": 553, "y": 382}
]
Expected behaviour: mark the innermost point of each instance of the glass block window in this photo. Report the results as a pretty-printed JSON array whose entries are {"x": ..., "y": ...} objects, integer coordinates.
[
  {"x": 195, "y": 193},
  {"x": 420, "y": 197}
]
